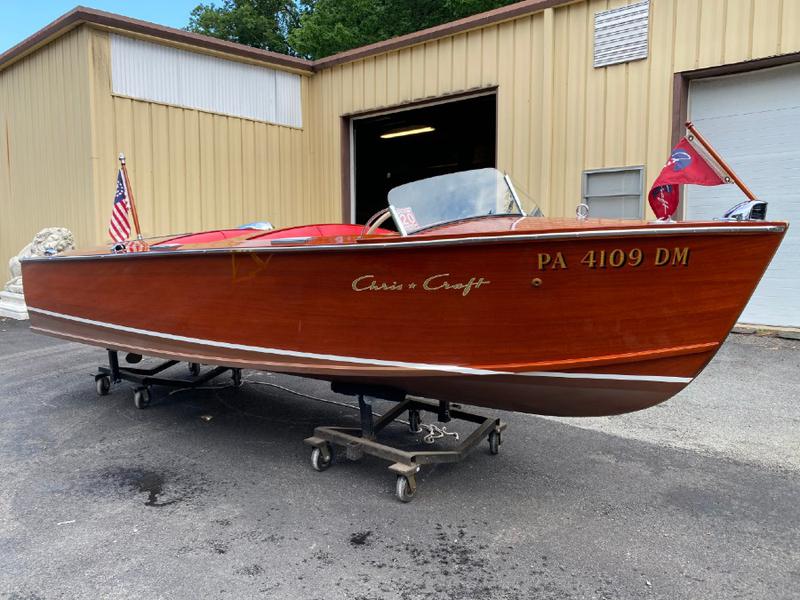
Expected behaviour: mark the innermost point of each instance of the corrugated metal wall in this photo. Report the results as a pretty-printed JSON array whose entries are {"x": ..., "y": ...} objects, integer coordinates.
[
  {"x": 557, "y": 115},
  {"x": 192, "y": 170},
  {"x": 45, "y": 146},
  {"x": 203, "y": 82}
]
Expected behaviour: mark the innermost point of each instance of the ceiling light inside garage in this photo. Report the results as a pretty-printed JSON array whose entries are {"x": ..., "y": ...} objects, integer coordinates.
[{"x": 404, "y": 132}]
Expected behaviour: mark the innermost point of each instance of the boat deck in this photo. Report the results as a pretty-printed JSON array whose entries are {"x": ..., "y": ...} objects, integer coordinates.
[{"x": 337, "y": 234}]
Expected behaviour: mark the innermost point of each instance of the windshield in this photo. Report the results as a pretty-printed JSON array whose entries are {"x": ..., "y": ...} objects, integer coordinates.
[{"x": 452, "y": 197}]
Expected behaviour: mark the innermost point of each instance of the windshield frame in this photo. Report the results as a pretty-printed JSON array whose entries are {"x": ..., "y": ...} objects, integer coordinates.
[{"x": 509, "y": 185}]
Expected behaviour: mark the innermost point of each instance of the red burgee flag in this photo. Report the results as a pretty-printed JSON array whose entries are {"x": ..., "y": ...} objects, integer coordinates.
[
  {"x": 688, "y": 163},
  {"x": 120, "y": 227}
]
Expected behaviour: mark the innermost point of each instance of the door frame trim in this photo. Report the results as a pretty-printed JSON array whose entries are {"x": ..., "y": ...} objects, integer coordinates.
[
  {"x": 347, "y": 135},
  {"x": 681, "y": 80},
  {"x": 680, "y": 92}
]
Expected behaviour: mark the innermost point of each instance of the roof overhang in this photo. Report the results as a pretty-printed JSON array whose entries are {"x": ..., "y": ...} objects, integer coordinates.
[
  {"x": 110, "y": 21},
  {"x": 82, "y": 15}
]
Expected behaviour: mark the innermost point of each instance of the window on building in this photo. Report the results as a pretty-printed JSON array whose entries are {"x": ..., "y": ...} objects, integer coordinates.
[
  {"x": 620, "y": 34},
  {"x": 614, "y": 193}
]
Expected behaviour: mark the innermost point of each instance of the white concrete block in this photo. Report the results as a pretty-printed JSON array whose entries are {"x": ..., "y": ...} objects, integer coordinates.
[{"x": 13, "y": 306}]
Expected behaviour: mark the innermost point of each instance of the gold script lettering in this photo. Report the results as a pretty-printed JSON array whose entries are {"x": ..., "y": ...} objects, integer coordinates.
[
  {"x": 358, "y": 280},
  {"x": 473, "y": 284},
  {"x": 427, "y": 283},
  {"x": 368, "y": 283},
  {"x": 374, "y": 286}
]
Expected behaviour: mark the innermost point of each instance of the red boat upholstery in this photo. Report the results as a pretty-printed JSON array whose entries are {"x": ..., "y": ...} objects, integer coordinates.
[
  {"x": 325, "y": 230},
  {"x": 205, "y": 237}
]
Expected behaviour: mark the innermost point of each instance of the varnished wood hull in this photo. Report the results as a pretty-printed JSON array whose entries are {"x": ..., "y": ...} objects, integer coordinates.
[{"x": 582, "y": 340}]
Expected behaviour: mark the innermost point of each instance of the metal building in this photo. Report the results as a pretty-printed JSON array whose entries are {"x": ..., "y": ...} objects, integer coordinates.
[{"x": 580, "y": 101}]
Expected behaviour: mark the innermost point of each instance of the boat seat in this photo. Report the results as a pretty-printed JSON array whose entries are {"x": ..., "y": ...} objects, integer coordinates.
[
  {"x": 206, "y": 237},
  {"x": 218, "y": 235}
]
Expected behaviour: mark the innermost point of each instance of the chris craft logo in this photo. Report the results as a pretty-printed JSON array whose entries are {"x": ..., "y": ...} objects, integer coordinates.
[
  {"x": 434, "y": 283},
  {"x": 679, "y": 160}
]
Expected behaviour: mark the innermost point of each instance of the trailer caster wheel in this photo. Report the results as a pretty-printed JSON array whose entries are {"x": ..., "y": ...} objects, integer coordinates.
[
  {"x": 103, "y": 385},
  {"x": 194, "y": 369},
  {"x": 318, "y": 459},
  {"x": 494, "y": 442},
  {"x": 414, "y": 421},
  {"x": 141, "y": 398},
  {"x": 404, "y": 489}
]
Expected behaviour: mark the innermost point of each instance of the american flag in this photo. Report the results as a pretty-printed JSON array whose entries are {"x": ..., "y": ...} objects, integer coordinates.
[{"x": 120, "y": 227}]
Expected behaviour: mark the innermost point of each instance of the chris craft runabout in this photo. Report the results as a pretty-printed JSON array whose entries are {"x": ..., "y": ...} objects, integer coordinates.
[{"x": 471, "y": 300}]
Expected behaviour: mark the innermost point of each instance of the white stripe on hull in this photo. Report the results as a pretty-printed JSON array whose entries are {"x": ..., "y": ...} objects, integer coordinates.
[{"x": 360, "y": 360}]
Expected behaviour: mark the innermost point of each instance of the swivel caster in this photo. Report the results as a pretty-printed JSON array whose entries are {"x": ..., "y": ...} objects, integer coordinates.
[
  {"x": 414, "y": 421},
  {"x": 141, "y": 398},
  {"x": 321, "y": 458},
  {"x": 405, "y": 489},
  {"x": 494, "y": 442},
  {"x": 103, "y": 385},
  {"x": 194, "y": 369}
]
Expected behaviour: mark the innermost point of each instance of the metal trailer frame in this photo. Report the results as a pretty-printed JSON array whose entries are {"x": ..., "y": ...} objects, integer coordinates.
[
  {"x": 145, "y": 378},
  {"x": 358, "y": 441}
]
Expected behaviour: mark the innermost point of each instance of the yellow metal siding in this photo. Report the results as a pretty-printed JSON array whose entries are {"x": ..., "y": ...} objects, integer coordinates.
[
  {"x": 557, "y": 115},
  {"x": 61, "y": 128},
  {"x": 191, "y": 170},
  {"x": 45, "y": 145}
]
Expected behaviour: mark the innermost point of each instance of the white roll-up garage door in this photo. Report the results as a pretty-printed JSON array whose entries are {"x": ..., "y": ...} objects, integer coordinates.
[{"x": 753, "y": 120}]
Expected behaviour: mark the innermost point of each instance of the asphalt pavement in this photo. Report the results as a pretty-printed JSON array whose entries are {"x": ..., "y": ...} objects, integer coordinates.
[{"x": 210, "y": 493}]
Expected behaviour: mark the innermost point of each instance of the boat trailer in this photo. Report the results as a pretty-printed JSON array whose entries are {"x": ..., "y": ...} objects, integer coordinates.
[
  {"x": 358, "y": 441},
  {"x": 145, "y": 378}
]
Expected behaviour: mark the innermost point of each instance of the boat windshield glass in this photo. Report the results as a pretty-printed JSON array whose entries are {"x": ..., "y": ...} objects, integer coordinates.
[{"x": 453, "y": 197}]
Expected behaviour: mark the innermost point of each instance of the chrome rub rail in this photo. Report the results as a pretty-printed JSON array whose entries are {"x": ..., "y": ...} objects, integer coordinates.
[{"x": 406, "y": 242}]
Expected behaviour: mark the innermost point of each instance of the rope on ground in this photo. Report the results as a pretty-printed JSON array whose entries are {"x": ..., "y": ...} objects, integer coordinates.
[{"x": 436, "y": 433}]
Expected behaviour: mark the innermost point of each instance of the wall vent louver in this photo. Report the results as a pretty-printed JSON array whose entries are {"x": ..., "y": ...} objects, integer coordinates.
[{"x": 620, "y": 34}]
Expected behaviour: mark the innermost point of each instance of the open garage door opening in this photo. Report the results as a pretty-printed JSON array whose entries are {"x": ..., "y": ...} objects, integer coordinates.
[{"x": 395, "y": 148}]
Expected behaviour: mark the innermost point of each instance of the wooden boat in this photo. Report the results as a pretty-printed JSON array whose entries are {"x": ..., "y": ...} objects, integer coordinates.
[{"x": 471, "y": 301}]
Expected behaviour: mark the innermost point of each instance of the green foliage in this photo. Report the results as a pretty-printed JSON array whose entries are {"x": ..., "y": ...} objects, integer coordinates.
[
  {"x": 331, "y": 26},
  {"x": 259, "y": 23},
  {"x": 317, "y": 28}
]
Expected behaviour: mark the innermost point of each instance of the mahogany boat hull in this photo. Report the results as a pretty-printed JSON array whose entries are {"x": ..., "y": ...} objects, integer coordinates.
[{"x": 574, "y": 323}]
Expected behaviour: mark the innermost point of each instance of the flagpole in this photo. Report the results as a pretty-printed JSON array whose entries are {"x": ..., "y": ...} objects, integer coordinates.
[
  {"x": 721, "y": 162},
  {"x": 130, "y": 197}
]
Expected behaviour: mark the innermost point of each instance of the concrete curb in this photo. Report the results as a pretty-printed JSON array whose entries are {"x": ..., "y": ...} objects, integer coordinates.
[{"x": 787, "y": 333}]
